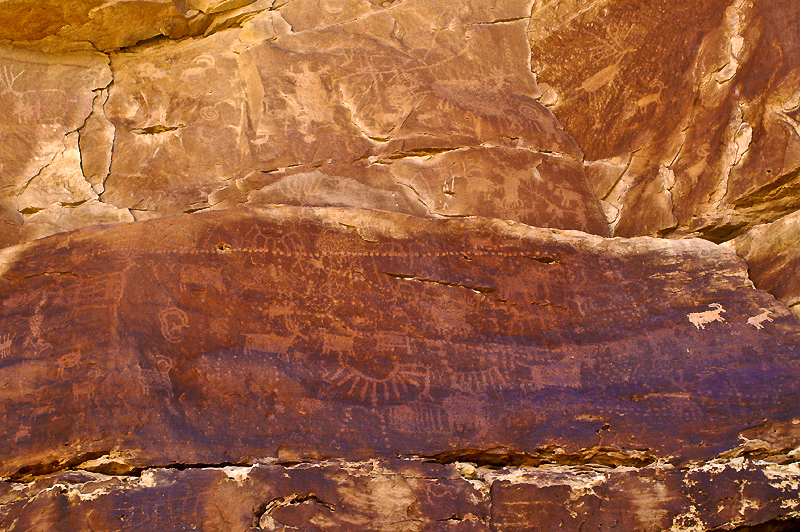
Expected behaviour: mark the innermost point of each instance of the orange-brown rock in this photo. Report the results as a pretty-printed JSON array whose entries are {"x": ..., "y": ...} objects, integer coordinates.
[
  {"x": 773, "y": 258},
  {"x": 336, "y": 265},
  {"x": 46, "y": 99},
  {"x": 360, "y": 105},
  {"x": 303, "y": 334},
  {"x": 368, "y": 113},
  {"x": 687, "y": 111},
  {"x": 408, "y": 495},
  {"x": 67, "y": 25}
]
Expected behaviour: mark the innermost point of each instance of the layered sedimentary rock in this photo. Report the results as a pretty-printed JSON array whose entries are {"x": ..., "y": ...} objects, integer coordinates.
[
  {"x": 687, "y": 111},
  {"x": 55, "y": 25},
  {"x": 306, "y": 334},
  {"x": 356, "y": 106},
  {"x": 773, "y": 258},
  {"x": 359, "y": 279},
  {"x": 46, "y": 100},
  {"x": 408, "y": 495}
]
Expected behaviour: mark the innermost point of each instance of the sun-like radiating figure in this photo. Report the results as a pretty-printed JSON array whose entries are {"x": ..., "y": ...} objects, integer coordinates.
[{"x": 382, "y": 374}]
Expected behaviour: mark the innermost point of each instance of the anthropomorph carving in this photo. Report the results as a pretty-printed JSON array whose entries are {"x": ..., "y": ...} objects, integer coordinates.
[
  {"x": 35, "y": 339},
  {"x": 5, "y": 345}
]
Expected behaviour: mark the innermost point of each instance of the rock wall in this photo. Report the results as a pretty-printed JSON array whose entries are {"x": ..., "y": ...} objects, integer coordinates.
[{"x": 405, "y": 265}]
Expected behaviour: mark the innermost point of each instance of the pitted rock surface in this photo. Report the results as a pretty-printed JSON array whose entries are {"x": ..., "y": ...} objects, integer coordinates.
[{"x": 408, "y": 495}]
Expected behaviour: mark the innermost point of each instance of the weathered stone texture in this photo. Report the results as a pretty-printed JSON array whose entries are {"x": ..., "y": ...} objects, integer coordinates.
[
  {"x": 394, "y": 123},
  {"x": 349, "y": 334},
  {"x": 687, "y": 111},
  {"x": 46, "y": 100},
  {"x": 407, "y": 495},
  {"x": 67, "y": 25},
  {"x": 384, "y": 111},
  {"x": 772, "y": 252},
  {"x": 344, "y": 265}
]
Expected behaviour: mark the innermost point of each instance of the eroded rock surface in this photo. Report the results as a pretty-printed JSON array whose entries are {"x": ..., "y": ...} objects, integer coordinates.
[
  {"x": 687, "y": 111},
  {"x": 372, "y": 112},
  {"x": 412, "y": 341},
  {"x": 45, "y": 100},
  {"x": 772, "y": 252},
  {"x": 413, "y": 107},
  {"x": 407, "y": 495},
  {"x": 357, "y": 334},
  {"x": 56, "y": 25}
]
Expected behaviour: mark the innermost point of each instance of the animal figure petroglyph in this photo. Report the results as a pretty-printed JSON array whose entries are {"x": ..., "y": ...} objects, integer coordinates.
[
  {"x": 701, "y": 319},
  {"x": 757, "y": 320},
  {"x": 266, "y": 343},
  {"x": 68, "y": 361},
  {"x": 5, "y": 345}
]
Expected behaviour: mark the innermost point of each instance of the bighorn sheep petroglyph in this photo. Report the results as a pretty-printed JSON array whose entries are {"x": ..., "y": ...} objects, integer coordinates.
[
  {"x": 758, "y": 319},
  {"x": 701, "y": 319}
]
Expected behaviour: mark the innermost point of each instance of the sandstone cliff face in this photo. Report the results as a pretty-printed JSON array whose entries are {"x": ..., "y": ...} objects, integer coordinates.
[
  {"x": 773, "y": 256},
  {"x": 687, "y": 111},
  {"x": 327, "y": 265}
]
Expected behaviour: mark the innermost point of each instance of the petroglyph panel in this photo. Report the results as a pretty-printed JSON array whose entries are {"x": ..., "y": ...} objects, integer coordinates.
[
  {"x": 359, "y": 333},
  {"x": 698, "y": 103},
  {"x": 370, "y": 113},
  {"x": 45, "y": 99}
]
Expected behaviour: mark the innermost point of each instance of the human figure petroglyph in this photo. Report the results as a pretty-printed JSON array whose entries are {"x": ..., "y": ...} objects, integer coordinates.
[
  {"x": 157, "y": 379},
  {"x": 5, "y": 345},
  {"x": 35, "y": 339},
  {"x": 758, "y": 320},
  {"x": 701, "y": 319}
]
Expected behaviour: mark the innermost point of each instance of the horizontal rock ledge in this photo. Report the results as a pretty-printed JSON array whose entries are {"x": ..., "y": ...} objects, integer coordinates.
[{"x": 411, "y": 495}]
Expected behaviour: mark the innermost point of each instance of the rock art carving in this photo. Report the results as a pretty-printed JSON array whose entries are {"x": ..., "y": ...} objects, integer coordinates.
[
  {"x": 701, "y": 319},
  {"x": 6, "y": 341},
  {"x": 173, "y": 321},
  {"x": 758, "y": 320},
  {"x": 357, "y": 276},
  {"x": 266, "y": 343}
]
